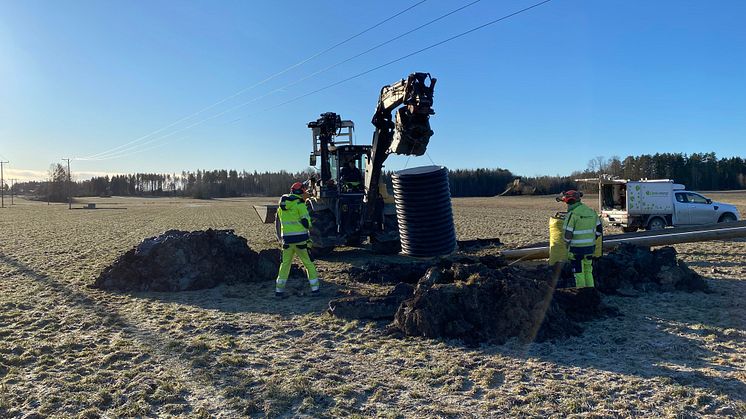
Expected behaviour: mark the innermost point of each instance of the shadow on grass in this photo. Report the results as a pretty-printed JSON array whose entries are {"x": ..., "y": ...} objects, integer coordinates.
[
  {"x": 155, "y": 343},
  {"x": 257, "y": 297}
]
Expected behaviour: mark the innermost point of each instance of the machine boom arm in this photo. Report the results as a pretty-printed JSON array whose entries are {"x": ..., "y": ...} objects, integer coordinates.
[{"x": 408, "y": 134}]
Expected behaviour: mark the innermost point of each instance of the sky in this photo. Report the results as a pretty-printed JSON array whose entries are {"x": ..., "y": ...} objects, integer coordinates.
[{"x": 165, "y": 86}]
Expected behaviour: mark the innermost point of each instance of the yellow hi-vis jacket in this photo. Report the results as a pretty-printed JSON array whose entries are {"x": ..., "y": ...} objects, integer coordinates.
[
  {"x": 582, "y": 226},
  {"x": 294, "y": 219}
]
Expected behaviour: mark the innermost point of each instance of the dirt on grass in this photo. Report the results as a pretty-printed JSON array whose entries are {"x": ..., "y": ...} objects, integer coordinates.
[{"x": 233, "y": 350}]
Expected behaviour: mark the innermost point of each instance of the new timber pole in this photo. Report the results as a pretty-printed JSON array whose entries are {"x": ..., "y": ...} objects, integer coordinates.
[
  {"x": 2, "y": 184},
  {"x": 721, "y": 231},
  {"x": 69, "y": 196}
]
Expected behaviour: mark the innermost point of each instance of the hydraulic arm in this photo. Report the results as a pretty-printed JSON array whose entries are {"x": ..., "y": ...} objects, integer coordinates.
[{"x": 408, "y": 133}]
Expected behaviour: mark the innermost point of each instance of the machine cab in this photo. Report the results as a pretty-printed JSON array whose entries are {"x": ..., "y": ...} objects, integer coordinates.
[{"x": 344, "y": 160}]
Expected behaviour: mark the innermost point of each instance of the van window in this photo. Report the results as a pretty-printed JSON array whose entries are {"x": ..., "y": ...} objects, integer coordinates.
[
  {"x": 696, "y": 199},
  {"x": 680, "y": 197}
]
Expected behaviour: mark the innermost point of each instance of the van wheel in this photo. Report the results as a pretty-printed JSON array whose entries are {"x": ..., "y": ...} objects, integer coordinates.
[
  {"x": 727, "y": 218},
  {"x": 656, "y": 224}
]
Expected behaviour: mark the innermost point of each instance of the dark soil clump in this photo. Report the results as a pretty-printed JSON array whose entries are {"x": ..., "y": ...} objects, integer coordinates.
[
  {"x": 638, "y": 268},
  {"x": 182, "y": 261},
  {"x": 481, "y": 299},
  {"x": 476, "y": 304}
]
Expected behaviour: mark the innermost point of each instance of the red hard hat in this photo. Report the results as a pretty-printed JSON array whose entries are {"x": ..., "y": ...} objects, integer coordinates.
[
  {"x": 298, "y": 188},
  {"x": 570, "y": 197}
]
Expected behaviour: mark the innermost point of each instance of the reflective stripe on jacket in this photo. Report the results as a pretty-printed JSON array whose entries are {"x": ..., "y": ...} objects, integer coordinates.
[
  {"x": 582, "y": 226},
  {"x": 294, "y": 219}
]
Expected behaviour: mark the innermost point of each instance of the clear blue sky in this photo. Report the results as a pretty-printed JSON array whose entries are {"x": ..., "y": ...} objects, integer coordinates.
[{"x": 540, "y": 93}]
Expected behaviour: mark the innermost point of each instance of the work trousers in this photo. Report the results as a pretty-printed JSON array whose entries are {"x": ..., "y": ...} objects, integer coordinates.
[
  {"x": 288, "y": 251},
  {"x": 582, "y": 265}
]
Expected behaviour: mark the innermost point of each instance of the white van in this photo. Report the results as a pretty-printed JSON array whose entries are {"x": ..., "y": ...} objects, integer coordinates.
[{"x": 655, "y": 204}]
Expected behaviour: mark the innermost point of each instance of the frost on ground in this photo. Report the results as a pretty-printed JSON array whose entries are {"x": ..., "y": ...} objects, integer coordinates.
[{"x": 67, "y": 350}]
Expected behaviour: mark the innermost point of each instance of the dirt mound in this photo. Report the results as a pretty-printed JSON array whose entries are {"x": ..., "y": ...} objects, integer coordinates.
[
  {"x": 474, "y": 303},
  {"x": 480, "y": 299},
  {"x": 181, "y": 261},
  {"x": 638, "y": 268}
]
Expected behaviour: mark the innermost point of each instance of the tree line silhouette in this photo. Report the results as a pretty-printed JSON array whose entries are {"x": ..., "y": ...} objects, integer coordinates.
[{"x": 698, "y": 171}]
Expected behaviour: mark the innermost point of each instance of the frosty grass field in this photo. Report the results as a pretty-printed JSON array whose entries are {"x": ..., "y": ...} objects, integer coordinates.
[{"x": 67, "y": 350}]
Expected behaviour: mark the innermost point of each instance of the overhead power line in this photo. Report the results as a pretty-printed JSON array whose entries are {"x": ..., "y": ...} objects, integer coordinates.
[
  {"x": 371, "y": 49},
  {"x": 279, "y": 89},
  {"x": 358, "y": 75},
  {"x": 403, "y": 57},
  {"x": 123, "y": 153},
  {"x": 241, "y": 91}
]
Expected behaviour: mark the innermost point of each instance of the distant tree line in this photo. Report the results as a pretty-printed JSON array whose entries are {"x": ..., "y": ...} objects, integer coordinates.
[{"x": 698, "y": 171}]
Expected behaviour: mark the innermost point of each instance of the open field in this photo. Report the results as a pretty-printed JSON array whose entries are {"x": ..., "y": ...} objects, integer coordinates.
[{"x": 67, "y": 350}]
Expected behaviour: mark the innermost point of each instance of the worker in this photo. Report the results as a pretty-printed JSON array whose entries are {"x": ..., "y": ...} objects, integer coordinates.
[
  {"x": 295, "y": 223},
  {"x": 350, "y": 176},
  {"x": 581, "y": 228}
]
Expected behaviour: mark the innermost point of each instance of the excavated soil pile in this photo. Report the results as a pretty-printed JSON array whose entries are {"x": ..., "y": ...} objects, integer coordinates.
[
  {"x": 638, "y": 268},
  {"x": 182, "y": 261},
  {"x": 475, "y": 299},
  {"x": 480, "y": 299},
  {"x": 476, "y": 304}
]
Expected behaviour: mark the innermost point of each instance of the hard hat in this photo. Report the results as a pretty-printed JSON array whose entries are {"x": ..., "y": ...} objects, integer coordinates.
[
  {"x": 570, "y": 197},
  {"x": 297, "y": 188}
]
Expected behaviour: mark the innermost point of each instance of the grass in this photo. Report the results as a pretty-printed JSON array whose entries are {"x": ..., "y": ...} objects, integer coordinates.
[{"x": 67, "y": 350}]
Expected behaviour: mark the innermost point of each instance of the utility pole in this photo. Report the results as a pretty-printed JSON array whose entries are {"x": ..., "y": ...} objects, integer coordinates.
[
  {"x": 2, "y": 184},
  {"x": 69, "y": 196}
]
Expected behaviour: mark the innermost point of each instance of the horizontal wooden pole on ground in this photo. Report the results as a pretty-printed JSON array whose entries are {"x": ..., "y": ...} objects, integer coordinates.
[{"x": 723, "y": 231}]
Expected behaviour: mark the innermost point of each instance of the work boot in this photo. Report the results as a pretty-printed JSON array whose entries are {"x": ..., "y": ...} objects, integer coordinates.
[
  {"x": 315, "y": 293},
  {"x": 280, "y": 295}
]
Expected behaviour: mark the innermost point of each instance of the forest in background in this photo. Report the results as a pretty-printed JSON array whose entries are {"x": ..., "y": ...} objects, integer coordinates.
[{"x": 698, "y": 171}]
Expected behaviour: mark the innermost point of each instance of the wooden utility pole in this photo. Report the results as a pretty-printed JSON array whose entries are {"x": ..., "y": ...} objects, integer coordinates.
[
  {"x": 69, "y": 196},
  {"x": 2, "y": 184}
]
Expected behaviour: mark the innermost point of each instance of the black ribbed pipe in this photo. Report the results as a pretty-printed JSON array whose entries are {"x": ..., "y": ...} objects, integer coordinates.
[{"x": 423, "y": 211}]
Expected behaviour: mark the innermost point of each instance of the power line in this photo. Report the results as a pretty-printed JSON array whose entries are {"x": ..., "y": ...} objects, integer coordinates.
[
  {"x": 272, "y": 77},
  {"x": 279, "y": 89},
  {"x": 323, "y": 70},
  {"x": 125, "y": 153},
  {"x": 492, "y": 22}
]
